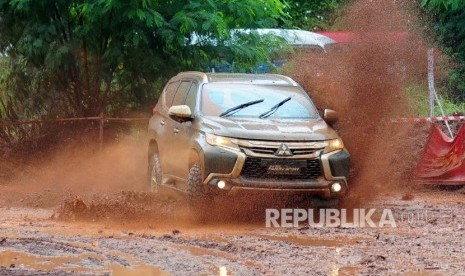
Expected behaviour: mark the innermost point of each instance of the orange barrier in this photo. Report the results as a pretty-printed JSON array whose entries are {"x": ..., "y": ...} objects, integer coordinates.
[{"x": 443, "y": 159}]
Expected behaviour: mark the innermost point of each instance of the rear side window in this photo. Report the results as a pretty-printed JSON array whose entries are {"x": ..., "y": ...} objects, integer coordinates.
[
  {"x": 191, "y": 96},
  {"x": 169, "y": 93},
  {"x": 180, "y": 95}
]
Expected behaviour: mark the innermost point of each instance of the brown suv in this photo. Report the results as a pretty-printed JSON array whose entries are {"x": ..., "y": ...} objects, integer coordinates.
[{"x": 213, "y": 133}]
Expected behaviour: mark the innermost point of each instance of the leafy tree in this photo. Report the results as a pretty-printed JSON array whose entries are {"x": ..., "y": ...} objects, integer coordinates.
[
  {"x": 449, "y": 25},
  {"x": 310, "y": 15},
  {"x": 93, "y": 53},
  {"x": 446, "y": 4}
]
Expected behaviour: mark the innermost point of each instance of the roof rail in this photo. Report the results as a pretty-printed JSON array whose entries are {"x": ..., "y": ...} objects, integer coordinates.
[
  {"x": 287, "y": 78},
  {"x": 196, "y": 73}
]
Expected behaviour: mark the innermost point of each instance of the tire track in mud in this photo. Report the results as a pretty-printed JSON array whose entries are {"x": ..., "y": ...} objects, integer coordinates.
[
  {"x": 129, "y": 252},
  {"x": 433, "y": 245}
]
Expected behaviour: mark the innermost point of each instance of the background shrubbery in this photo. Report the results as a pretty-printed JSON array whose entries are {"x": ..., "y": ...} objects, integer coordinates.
[{"x": 83, "y": 57}]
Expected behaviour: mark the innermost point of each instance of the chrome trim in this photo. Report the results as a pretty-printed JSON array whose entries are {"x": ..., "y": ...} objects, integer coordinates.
[
  {"x": 314, "y": 155},
  {"x": 234, "y": 173},
  {"x": 247, "y": 146},
  {"x": 269, "y": 144},
  {"x": 327, "y": 168}
]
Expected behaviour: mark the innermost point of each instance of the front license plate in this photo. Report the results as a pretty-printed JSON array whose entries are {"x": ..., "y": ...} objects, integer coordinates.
[{"x": 292, "y": 167}]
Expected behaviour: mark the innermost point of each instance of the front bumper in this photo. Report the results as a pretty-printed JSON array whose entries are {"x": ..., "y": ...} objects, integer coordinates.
[{"x": 334, "y": 169}]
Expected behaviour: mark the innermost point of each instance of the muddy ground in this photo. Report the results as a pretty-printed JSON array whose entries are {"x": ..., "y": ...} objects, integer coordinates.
[
  {"x": 84, "y": 211},
  {"x": 48, "y": 227}
]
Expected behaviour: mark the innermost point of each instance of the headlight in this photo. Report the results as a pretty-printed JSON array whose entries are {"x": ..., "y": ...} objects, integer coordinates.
[
  {"x": 220, "y": 141},
  {"x": 333, "y": 145}
]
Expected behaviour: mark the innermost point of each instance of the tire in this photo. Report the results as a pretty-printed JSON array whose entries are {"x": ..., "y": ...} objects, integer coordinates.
[
  {"x": 325, "y": 203},
  {"x": 199, "y": 195},
  {"x": 155, "y": 176}
]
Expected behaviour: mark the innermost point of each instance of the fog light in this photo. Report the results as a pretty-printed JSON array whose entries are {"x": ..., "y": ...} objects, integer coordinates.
[
  {"x": 336, "y": 187},
  {"x": 221, "y": 184}
]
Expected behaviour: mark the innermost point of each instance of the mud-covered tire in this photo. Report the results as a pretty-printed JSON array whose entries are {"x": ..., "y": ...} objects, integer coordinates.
[
  {"x": 325, "y": 203},
  {"x": 154, "y": 175},
  {"x": 198, "y": 194}
]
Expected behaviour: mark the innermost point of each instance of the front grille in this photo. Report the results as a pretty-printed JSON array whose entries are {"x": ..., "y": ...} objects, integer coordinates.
[
  {"x": 263, "y": 150},
  {"x": 284, "y": 169},
  {"x": 272, "y": 151}
]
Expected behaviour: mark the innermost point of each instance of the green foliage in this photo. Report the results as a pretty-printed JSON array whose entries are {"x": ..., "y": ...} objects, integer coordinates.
[
  {"x": 453, "y": 5},
  {"x": 94, "y": 55},
  {"x": 418, "y": 99},
  {"x": 310, "y": 15},
  {"x": 449, "y": 25}
]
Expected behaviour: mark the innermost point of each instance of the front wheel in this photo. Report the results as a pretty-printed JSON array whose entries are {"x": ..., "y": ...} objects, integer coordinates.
[
  {"x": 155, "y": 175},
  {"x": 198, "y": 194}
]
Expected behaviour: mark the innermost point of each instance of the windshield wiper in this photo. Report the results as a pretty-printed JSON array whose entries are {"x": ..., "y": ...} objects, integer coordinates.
[
  {"x": 241, "y": 106},
  {"x": 274, "y": 108}
]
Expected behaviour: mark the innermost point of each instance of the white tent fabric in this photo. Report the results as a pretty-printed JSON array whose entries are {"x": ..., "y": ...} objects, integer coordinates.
[{"x": 296, "y": 38}]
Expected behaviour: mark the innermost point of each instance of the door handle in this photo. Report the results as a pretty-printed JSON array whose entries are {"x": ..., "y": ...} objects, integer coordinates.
[
  {"x": 162, "y": 122},
  {"x": 176, "y": 130}
]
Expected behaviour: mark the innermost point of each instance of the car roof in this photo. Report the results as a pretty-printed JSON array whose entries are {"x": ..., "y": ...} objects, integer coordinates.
[{"x": 266, "y": 79}]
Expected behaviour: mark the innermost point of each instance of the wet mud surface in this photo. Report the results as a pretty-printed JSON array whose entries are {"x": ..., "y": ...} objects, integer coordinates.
[
  {"x": 86, "y": 211},
  {"x": 428, "y": 240}
]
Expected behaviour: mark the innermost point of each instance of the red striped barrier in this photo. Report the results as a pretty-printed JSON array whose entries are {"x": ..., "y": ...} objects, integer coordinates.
[
  {"x": 126, "y": 119},
  {"x": 31, "y": 122},
  {"x": 428, "y": 119},
  {"x": 101, "y": 119},
  {"x": 395, "y": 120}
]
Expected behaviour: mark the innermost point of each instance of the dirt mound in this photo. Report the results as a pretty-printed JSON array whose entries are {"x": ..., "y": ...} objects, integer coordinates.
[
  {"x": 122, "y": 205},
  {"x": 168, "y": 208},
  {"x": 365, "y": 81}
]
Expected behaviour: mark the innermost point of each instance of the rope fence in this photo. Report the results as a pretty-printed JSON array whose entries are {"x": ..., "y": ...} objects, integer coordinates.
[
  {"x": 428, "y": 119},
  {"x": 102, "y": 119}
]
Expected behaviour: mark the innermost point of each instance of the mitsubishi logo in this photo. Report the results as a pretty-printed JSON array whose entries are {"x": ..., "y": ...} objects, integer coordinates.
[{"x": 283, "y": 150}]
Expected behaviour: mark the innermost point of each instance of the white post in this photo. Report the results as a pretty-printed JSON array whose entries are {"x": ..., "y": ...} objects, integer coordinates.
[
  {"x": 431, "y": 81},
  {"x": 432, "y": 90}
]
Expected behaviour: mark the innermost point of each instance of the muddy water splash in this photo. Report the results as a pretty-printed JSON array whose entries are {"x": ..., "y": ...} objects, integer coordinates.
[{"x": 365, "y": 81}]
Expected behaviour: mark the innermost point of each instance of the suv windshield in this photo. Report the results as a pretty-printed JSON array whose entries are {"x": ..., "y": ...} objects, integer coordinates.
[{"x": 219, "y": 97}]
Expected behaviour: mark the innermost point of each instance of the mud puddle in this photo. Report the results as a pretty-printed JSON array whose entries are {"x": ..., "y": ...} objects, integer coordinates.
[
  {"x": 84, "y": 263},
  {"x": 201, "y": 251},
  {"x": 343, "y": 271},
  {"x": 432, "y": 246},
  {"x": 312, "y": 241}
]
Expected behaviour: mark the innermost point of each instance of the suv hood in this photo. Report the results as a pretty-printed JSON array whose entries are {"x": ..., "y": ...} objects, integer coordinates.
[{"x": 270, "y": 129}]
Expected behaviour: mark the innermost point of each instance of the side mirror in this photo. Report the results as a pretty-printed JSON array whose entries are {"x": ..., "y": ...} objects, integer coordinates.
[
  {"x": 180, "y": 113},
  {"x": 330, "y": 116}
]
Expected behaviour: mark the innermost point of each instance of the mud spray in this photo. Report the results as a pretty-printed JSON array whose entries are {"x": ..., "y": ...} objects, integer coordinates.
[{"x": 365, "y": 81}]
